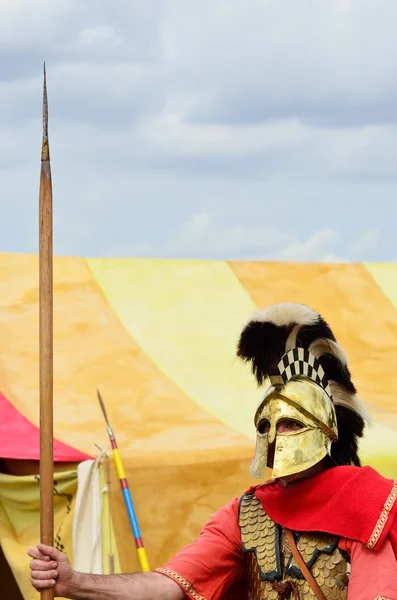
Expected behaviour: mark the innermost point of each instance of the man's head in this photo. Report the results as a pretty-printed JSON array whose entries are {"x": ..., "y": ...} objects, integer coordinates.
[{"x": 309, "y": 410}]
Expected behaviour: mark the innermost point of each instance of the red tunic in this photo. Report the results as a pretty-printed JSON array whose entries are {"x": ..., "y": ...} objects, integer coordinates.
[{"x": 213, "y": 567}]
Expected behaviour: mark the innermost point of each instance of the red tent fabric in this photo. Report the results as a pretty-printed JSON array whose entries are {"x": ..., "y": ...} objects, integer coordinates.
[{"x": 20, "y": 439}]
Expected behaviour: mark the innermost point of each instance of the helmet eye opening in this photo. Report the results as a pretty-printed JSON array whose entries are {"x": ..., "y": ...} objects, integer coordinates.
[
  {"x": 289, "y": 426},
  {"x": 263, "y": 427},
  {"x": 284, "y": 426}
]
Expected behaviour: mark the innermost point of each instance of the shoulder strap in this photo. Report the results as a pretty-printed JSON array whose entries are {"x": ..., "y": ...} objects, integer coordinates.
[{"x": 302, "y": 565}]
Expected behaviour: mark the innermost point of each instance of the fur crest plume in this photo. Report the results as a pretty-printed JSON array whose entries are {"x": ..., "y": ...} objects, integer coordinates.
[
  {"x": 274, "y": 331},
  {"x": 286, "y": 313}
]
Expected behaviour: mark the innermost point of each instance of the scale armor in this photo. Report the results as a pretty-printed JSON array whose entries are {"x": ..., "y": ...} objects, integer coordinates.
[{"x": 270, "y": 564}]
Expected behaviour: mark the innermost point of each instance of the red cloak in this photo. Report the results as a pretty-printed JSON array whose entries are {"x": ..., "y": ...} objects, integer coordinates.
[{"x": 355, "y": 503}]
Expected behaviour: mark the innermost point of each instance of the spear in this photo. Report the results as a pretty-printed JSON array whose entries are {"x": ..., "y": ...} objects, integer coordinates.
[
  {"x": 46, "y": 342},
  {"x": 140, "y": 549}
]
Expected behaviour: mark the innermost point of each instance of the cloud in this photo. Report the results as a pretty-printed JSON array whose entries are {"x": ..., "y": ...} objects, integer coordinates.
[
  {"x": 365, "y": 245},
  {"x": 277, "y": 119},
  {"x": 288, "y": 62},
  {"x": 202, "y": 236},
  {"x": 264, "y": 92},
  {"x": 318, "y": 247},
  {"x": 99, "y": 35}
]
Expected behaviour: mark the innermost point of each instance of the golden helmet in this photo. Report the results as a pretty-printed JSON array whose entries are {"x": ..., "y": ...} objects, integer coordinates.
[{"x": 305, "y": 379}]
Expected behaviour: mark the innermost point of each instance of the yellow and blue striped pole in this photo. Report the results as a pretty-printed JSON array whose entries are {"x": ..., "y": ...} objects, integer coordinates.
[{"x": 140, "y": 549}]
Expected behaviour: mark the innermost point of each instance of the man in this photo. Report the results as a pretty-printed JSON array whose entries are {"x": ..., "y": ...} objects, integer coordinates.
[{"x": 322, "y": 527}]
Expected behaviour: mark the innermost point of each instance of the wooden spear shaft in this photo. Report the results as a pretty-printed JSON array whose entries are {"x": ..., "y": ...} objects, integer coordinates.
[{"x": 46, "y": 342}]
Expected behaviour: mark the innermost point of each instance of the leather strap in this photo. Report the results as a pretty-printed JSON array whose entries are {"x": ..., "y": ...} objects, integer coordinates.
[
  {"x": 285, "y": 589},
  {"x": 302, "y": 565}
]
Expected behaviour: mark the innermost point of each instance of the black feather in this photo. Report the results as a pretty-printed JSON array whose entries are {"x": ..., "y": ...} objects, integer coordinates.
[
  {"x": 344, "y": 451},
  {"x": 337, "y": 371},
  {"x": 262, "y": 344},
  {"x": 308, "y": 333}
]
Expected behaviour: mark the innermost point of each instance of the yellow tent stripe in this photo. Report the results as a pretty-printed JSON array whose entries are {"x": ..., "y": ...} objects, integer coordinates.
[
  {"x": 385, "y": 275},
  {"x": 186, "y": 316},
  {"x": 378, "y": 449},
  {"x": 93, "y": 349}
]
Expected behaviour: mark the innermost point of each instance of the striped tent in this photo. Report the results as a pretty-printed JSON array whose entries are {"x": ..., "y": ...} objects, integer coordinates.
[{"x": 158, "y": 338}]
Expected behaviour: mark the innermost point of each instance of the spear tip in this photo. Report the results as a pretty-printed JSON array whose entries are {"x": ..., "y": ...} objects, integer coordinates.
[
  {"x": 102, "y": 405},
  {"x": 45, "y": 150}
]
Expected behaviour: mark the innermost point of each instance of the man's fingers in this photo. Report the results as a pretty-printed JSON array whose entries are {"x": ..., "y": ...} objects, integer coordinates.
[
  {"x": 41, "y": 565},
  {"x": 50, "y": 551},
  {"x": 47, "y": 553},
  {"x": 34, "y": 552},
  {"x": 44, "y": 575},
  {"x": 42, "y": 585}
]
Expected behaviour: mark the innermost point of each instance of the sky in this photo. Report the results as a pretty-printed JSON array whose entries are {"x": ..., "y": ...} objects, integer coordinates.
[{"x": 221, "y": 129}]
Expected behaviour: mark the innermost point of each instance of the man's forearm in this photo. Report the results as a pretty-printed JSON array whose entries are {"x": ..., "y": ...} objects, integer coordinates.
[{"x": 139, "y": 586}]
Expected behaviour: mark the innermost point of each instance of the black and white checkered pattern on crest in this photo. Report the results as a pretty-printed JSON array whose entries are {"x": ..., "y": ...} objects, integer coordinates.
[{"x": 300, "y": 361}]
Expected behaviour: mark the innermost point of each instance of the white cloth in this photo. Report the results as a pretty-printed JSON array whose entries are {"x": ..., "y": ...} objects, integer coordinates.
[{"x": 87, "y": 530}]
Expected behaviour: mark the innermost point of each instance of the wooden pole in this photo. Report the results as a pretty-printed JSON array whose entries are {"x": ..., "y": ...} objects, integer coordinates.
[{"x": 46, "y": 343}]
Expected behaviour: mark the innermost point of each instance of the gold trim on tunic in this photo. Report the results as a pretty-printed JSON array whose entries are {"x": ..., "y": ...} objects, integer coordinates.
[
  {"x": 184, "y": 583},
  {"x": 384, "y": 515}
]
